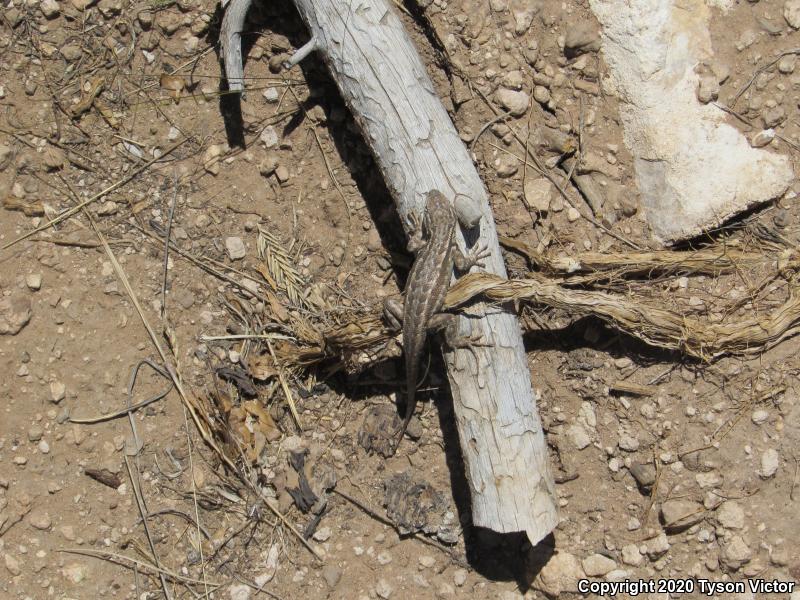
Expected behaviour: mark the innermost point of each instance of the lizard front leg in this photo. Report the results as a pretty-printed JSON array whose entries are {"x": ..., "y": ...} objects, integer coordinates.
[{"x": 473, "y": 257}]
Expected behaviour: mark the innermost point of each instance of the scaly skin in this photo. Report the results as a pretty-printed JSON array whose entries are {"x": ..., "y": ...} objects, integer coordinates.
[{"x": 427, "y": 287}]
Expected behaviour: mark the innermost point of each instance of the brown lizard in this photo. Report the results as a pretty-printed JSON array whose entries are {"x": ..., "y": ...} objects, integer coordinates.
[{"x": 436, "y": 254}]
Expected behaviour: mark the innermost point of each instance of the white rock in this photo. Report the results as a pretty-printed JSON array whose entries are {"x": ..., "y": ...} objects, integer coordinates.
[
  {"x": 269, "y": 137},
  {"x": 676, "y": 141},
  {"x": 759, "y": 416},
  {"x": 271, "y": 95},
  {"x": 730, "y": 515},
  {"x": 631, "y": 555},
  {"x": 791, "y": 12},
  {"x": 240, "y": 591},
  {"x": 559, "y": 575},
  {"x": 597, "y": 565},
  {"x": 762, "y": 138},
  {"x": 58, "y": 391},
  {"x": 383, "y": 589},
  {"x": 577, "y": 434},
  {"x": 770, "y": 460},
  {"x": 50, "y": 8},
  {"x": 515, "y": 102},
  {"x": 235, "y": 247},
  {"x": 323, "y": 534},
  {"x": 538, "y": 192},
  {"x": 34, "y": 281}
]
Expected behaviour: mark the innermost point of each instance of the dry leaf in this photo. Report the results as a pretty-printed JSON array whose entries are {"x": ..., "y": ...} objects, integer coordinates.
[
  {"x": 88, "y": 97},
  {"x": 173, "y": 85},
  {"x": 106, "y": 112},
  {"x": 262, "y": 368},
  {"x": 31, "y": 208}
]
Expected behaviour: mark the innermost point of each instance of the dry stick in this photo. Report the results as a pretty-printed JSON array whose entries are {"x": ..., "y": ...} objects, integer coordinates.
[
  {"x": 120, "y": 558},
  {"x": 137, "y": 493},
  {"x": 76, "y": 209}
]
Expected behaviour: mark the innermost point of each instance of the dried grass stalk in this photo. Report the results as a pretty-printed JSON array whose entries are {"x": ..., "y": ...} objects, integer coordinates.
[{"x": 655, "y": 326}]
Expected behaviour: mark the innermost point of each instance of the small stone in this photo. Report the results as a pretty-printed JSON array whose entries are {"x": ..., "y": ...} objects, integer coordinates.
[
  {"x": 74, "y": 573},
  {"x": 597, "y": 565},
  {"x": 735, "y": 553},
  {"x": 35, "y": 433},
  {"x": 515, "y": 102},
  {"x": 678, "y": 515},
  {"x": 791, "y": 12},
  {"x": 269, "y": 137},
  {"x": 506, "y": 166},
  {"x": 578, "y": 435},
  {"x": 460, "y": 577},
  {"x": 282, "y": 174},
  {"x": 541, "y": 94},
  {"x": 107, "y": 208},
  {"x": 707, "y": 88},
  {"x": 762, "y": 138},
  {"x": 12, "y": 564},
  {"x": 40, "y": 520},
  {"x": 538, "y": 192},
  {"x": 43, "y": 447},
  {"x": 49, "y": 8},
  {"x": 581, "y": 37},
  {"x": 561, "y": 574},
  {"x": 240, "y": 591},
  {"x": 83, "y": 4},
  {"x": 523, "y": 12},
  {"x": 235, "y": 247},
  {"x": 383, "y": 589},
  {"x": 211, "y": 158},
  {"x": 730, "y": 515},
  {"x": 58, "y": 391},
  {"x": 573, "y": 214},
  {"x": 657, "y": 546},
  {"x": 426, "y": 561},
  {"x": 145, "y": 18},
  {"x": 759, "y": 416},
  {"x": 33, "y": 281},
  {"x": 271, "y": 95},
  {"x": 15, "y": 313},
  {"x": 770, "y": 460},
  {"x": 323, "y": 534},
  {"x": 331, "y": 574},
  {"x": 787, "y": 63},
  {"x": 110, "y": 8},
  {"x": 773, "y": 116},
  {"x": 631, "y": 555},
  {"x": 513, "y": 80}
]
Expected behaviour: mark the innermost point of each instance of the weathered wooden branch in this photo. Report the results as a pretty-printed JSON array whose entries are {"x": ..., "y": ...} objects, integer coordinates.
[{"x": 385, "y": 85}]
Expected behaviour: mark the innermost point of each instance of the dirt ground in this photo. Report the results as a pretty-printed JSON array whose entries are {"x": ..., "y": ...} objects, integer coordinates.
[{"x": 668, "y": 468}]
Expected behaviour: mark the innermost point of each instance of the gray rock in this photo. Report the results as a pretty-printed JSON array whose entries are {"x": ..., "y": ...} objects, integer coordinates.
[
  {"x": 770, "y": 461},
  {"x": 580, "y": 38},
  {"x": 597, "y": 565},
  {"x": 49, "y": 8},
  {"x": 235, "y": 247},
  {"x": 538, "y": 192},
  {"x": 631, "y": 555},
  {"x": 730, "y": 515},
  {"x": 331, "y": 574},
  {"x": 559, "y": 575},
  {"x": 678, "y": 515},
  {"x": 791, "y": 12},
  {"x": 735, "y": 553},
  {"x": 515, "y": 102},
  {"x": 15, "y": 313}
]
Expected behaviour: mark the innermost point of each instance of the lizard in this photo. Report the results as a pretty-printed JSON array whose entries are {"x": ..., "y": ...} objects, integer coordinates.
[{"x": 434, "y": 244}]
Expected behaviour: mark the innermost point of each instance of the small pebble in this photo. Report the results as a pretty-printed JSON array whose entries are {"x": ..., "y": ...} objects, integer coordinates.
[
  {"x": 235, "y": 247},
  {"x": 58, "y": 391},
  {"x": 770, "y": 461},
  {"x": 573, "y": 214}
]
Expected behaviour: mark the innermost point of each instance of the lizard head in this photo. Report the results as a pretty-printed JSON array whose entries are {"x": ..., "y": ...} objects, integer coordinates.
[{"x": 437, "y": 209}]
